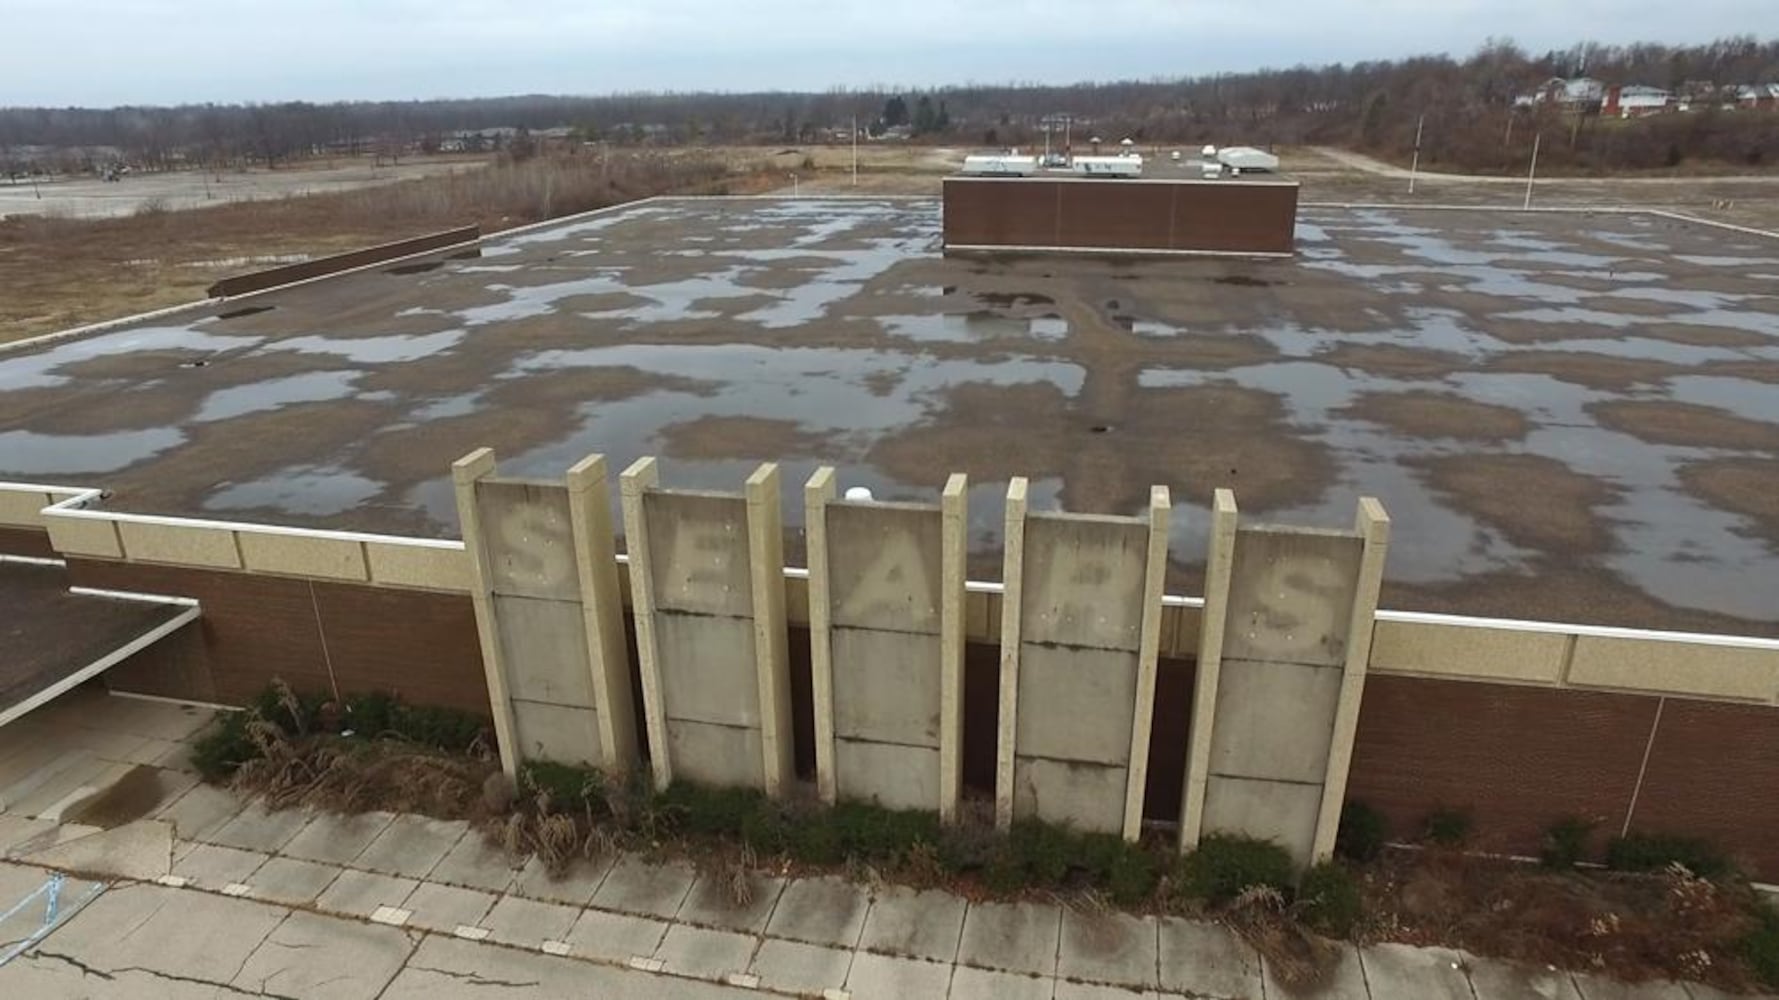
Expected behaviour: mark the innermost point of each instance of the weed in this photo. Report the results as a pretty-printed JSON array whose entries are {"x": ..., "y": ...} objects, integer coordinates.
[
  {"x": 969, "y": 846},
  {"x": 1224, "y": 865},
  {"x": 1132, "y": 875},
  {"x": 224, "y": 747},
  {"x": 1362, "y": 833},
  {"x": 564, "y": 788},
  {"x": 1760, "y": 946},
  {"x": 1329, "y": 900},
  {"x": 1042, "y": 851},
  {"x": 1565, "y": 842},
  {"x": 1447, "y": 827},
  {"x": 1645, "y": 852}
]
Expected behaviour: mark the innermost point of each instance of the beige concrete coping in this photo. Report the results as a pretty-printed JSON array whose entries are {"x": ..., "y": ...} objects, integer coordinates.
[
  {"x": 22, "y": 506},
  {"x": 199, "y": 545},
  {"x": 1463, "y": 651},
  {"x": 423, "y": 567},
  {"x": 1550, "y": 654},
  {"x": 80, "y": 536},
  {"x": 303, "y": 555},
  {"x": 1706, "y": 670}
]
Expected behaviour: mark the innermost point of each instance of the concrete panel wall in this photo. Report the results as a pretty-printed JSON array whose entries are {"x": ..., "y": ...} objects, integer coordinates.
[
  {"x": 524, "y": 539},
  {"x": 545, "y": 595},
  {"x": 1521, "y": 722},
  {"x": 886, "y": 605},
  {"x": 704, "y": 636},
  {"x": 1280, "y": 679},
  {"x": 706, "y": 581},
  {"x": 1078, "y": 664}
]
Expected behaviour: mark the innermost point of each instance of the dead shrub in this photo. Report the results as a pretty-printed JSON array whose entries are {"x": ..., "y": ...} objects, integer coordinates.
[{"x": 1299, "y": 960}]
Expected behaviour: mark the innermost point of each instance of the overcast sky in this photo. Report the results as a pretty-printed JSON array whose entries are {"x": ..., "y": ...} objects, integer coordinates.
[{"x": 105, "y": 52}]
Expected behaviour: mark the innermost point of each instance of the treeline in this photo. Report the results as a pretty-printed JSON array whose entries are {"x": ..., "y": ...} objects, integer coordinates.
[{"x": 1465, "y": 107}]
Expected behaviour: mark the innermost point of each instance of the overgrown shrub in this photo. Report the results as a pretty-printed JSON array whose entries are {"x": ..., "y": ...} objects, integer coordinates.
[
  {"x": 1362, "y": 833},
  {"x": 1644, "y": 852},
  {"x": 224, "y": 747},
  {"x": 379, "y": 715},
  {"x": 1447, "y": 827},
  {"x": 1224, "y": 865},
  {"x": 1565, "y": 842},
  {"x": 1760, "y": 946},
  {"x": 1131, "y": 875},
  {"x": 230, "y": 742},
  {"x": 1329, "y": 900},
  {"x": 564, "y": 788}
]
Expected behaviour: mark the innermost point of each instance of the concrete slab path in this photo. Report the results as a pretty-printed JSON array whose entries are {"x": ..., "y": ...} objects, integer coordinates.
[{"x": 209, "y": 896}]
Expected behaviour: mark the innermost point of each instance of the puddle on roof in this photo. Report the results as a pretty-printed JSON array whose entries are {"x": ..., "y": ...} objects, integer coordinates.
[
  {"x": 1753, "y": 322},
  {"x": 975, "y": 326},
  {"x": 68, "y": 454},
  {"x": 1644, "y": 348},
  {"x": 821, "y": 387},
  {"x": 1721, "y": 260},
  {"x": 38, "y": 370},
  {"x": 1672, "y": 545},
  {"x": 271, "y": 394},
  {"x": 1745, "y": 398},
  {"x": 304, "y": 489},
  {"x": 373, "y": 350}
]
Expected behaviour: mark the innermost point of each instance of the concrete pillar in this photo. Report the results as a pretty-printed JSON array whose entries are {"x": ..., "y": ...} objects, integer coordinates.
[
  {"x": 1148, "y": 656},
  {"x": 1373, "y": 526},
  {"x": 1012, "y": 576},
  {"x": 816, "y": 495},
  {"x": 1210, "y": 663},
  {"x": 465, "y": 472},
  {"x": 644, "y": 475},
  {"x": 602, "y": 611},
  {"x": 954, "y": 506},
  {"x": 765, "y": 540}
]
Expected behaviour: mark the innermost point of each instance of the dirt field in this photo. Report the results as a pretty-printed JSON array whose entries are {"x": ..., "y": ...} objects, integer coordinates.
[
  {"x": 90, "y": 198},
  {"x": 62, "y": 272},
  {"x": 1568, "y": 416}
]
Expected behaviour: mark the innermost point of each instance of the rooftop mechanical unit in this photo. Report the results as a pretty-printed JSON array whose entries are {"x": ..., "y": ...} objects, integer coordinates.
[
  {"x": 1247, "y": 160},
  {"x": 1000, "y": 165},
  {"x": 1109, "y": 166}
]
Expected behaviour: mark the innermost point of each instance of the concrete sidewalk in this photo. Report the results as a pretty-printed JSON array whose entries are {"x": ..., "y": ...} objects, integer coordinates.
[
  {"x": 288, "y": 905},
  {"x": 209, "y": 896}
]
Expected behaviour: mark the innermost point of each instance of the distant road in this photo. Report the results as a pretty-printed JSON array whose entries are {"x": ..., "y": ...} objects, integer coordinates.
[
  {"x": 89, "y": 197},
  {"x": 1371, "y": 165}
]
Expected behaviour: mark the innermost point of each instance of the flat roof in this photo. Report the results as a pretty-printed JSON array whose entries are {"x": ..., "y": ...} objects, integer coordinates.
[
  {"x": 1569, "y": 417},
  {"x": 55, "y": 639}
]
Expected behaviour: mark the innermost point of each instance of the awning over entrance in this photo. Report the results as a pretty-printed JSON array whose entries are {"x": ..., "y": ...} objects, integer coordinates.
[{"x": 53, "y": 638}]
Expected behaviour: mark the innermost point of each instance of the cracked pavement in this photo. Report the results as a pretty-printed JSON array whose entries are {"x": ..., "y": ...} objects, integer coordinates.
[{"x": 142, "y": 940}]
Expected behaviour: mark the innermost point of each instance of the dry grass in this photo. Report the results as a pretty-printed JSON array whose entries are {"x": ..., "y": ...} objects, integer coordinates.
[
  {"x": 1664, "y": 925},
  {"x": 59, "y": 272},
  {"x": 1298, "y": 959}
]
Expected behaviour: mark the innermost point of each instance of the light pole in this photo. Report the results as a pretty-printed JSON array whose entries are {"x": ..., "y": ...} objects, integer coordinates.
[
  {"x": 1532, "y": 172},
  {"x": 1414, "y": 165},
  {"x": 855, "y": 150}
]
